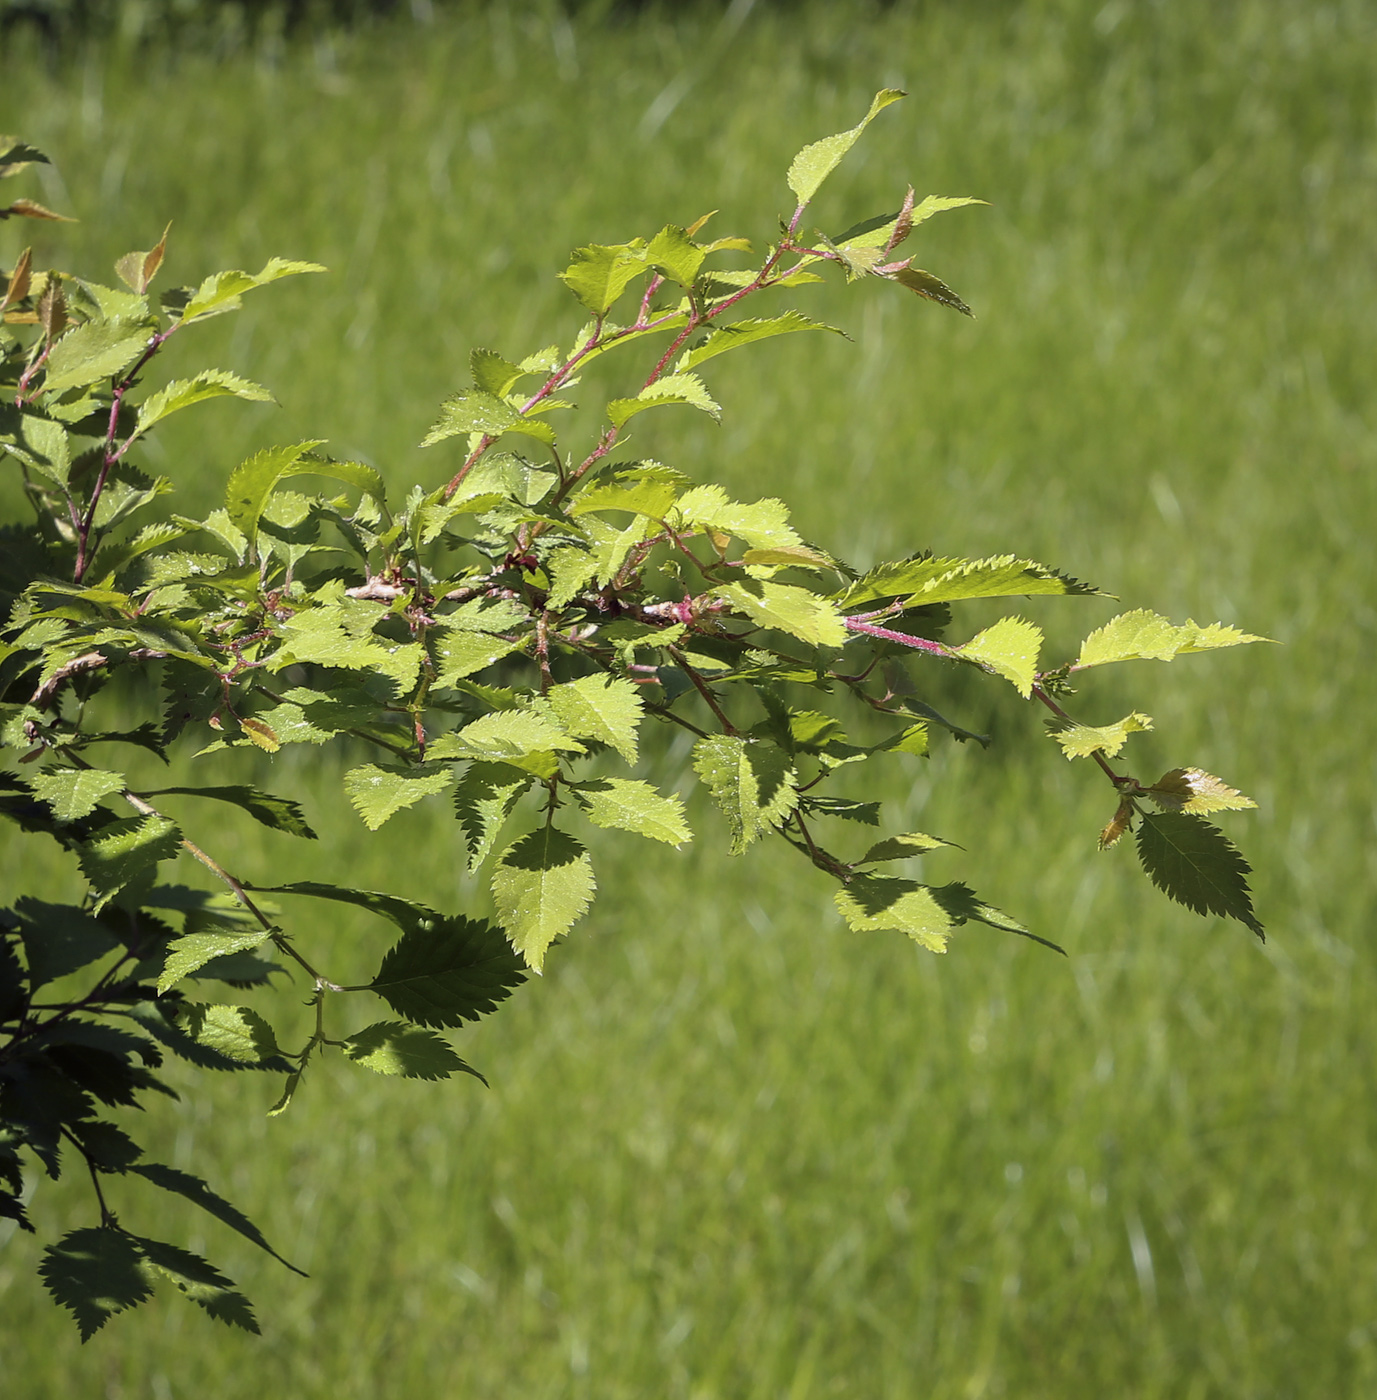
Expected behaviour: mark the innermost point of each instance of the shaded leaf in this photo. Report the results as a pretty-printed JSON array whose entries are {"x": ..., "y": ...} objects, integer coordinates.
[
  {"x": 95, "y": 1273},
  {"x": 279, "y": 813},
  {"x": 205, "y": 1285},
  {"x": 1195, "y": 864},
  {"x": 752, "y": 782},
  {"x": 925, "y": 580},
  {"x": 454, "y": 971},
  {"x": 390, "y": 1047},
  {"x": 123, "y": 850},
  {"x": 738, "y": 333},
  {"x": 238, "y": 1032},
  {"x": 192, "y": 951},
  {"x": 74, "y": 792},
  {"x": 483, "y": 800},
  {"x": 1194, "y": 790}
]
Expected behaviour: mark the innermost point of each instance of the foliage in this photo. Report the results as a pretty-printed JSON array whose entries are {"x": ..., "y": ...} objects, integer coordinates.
[{"x": 499, "y": 638}]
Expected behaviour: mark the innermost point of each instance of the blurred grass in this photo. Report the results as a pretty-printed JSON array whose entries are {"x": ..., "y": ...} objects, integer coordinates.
[{"x": 731, "y": 1150}]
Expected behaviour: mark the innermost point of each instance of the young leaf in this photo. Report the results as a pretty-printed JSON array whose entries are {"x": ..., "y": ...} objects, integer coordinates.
[
  {"x": 1195, "y": 864},
  {"x": 673, "y": 253},
  {"x": 1194, "y": 790},
  {"x": 1120, "y": 822},
  {"x": 137, "y": 270},
  {"x": 720, "y": 339},
  {"x": 221, "y": 291},
  {"x": 606, "y": 708},
  {"x": 454, "y": 971},
  {"x": 74, "y": 792},
  {"x": 541, "y": 885},
  {"x": 95, "y": 1273},
  {"x": 1010, "y": 648},
  {"x": 751, "y": 782},
  {"x": 1146, "y": 636},
  {"x": 631, "y": 805},
  {"x": 381, "y": 792},
  {"x": 926, "y": 580},
  {"x": 182, "y": 393},
  {"x": 483, "y": 800},
  {"x": 1082, "y": 740},
  {"x": 673, "y": 388},
  {"x": 599, "y": 274},
  {"x": 472, "y": 412},
  {"x": 194, "y": 950},
  {"x": 391, "y": 1047},
  {"x": 797, "y": 611},
  {"x": 815, "y": 163}
]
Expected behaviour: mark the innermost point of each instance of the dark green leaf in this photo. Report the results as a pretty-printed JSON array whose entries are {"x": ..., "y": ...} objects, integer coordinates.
[
  {"x": 59, "y": 939},
  {"x": 280, "y": 813},
  {"x": 390, "y": 1047},
  {"x": 205, "y": 1285},
  {"x": 1195, "y": 864},
  {"x": 95, "y": 1273},
  {"x": 454, "y": 971},
  {"x": 196, "y": 1191}
]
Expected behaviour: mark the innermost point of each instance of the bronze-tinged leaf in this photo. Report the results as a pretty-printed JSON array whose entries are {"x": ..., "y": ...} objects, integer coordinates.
[
  {"x": 262, "y": 734},
  {"x": 29, "y": 209},
  {"x": 1194, "y": 790},
  {"x": 137, "y": 270},
  {"x": 699, "y": 222},
  {"x": 52, "y": 310},
  {"x": 1122, "y": 822},
  {"x": 933, "y": 288},
  {"x": 903, "y": 225},
  {"x": 18, "y": 287}
]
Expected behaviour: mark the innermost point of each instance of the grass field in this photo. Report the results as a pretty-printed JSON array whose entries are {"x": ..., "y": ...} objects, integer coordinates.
[{"x": 730, "y": 1149}]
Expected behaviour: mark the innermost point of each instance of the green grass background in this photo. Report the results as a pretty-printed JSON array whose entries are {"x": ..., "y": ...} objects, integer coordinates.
[{"x": 732, "y": 1150}]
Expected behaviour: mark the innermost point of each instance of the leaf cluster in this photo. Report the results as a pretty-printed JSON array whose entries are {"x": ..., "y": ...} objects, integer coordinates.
[{"x": 494, "y": 643}]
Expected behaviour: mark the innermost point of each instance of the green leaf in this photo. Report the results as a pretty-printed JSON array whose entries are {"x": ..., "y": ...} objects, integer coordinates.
[
  {"x": 123, "y": 850},
  {"x": 237, "y": 1032},
  {"x": 797, "y": 611},
  {"x": 606, "y": 708},
  {"x": 1146, "y": 636},
  {"x": 648, "y": 489},
  {"x": 541, "y": 886},
  {"x": 816, "y": 162},
  {"x": 390, "y": 1047},
  {"x": 673, "y": 253},
  {"x": 47, "y": 447},
  {"x": 1010, "y": 647},
  {"x": 492, "y": 374},
  {"x": 673, "y": 388},
  {"x": 381, "y": 792},
  {"x": 95, "y": 1273},
  {"x": 182, "y": 393},
  {"x": 1082, "y": 740},
  {"x": 483, "y": 800},
  {"x": 205, "y": 1285},
  {"x": 460, "y": 653},
  {"x": 762, "y": 524},
  {"x": 599, "y": 274},
  {"x": 925, "y": 580},
  {"x": 504, "y": 734},
  {"x": 279, "y": 813},
  {"x": 221, "y": 291},
  {"x": 1195, "y": 864},
  {"x": 911, "y": 843},
  {"x": 887, "y": 902},
  {"x": 454, "y": 971},
  {"x": 630, "y": 805},
  {"x": 194, "y": 950},
  {"x": 729, "y": 337},
  {"x": 95, "y": 350},
  {"x": 751, "y": 782},
  {"x": 74, "y": 792},
  {"x": 472, "y": 412},
  {"x": 193, "y": 1189}
]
